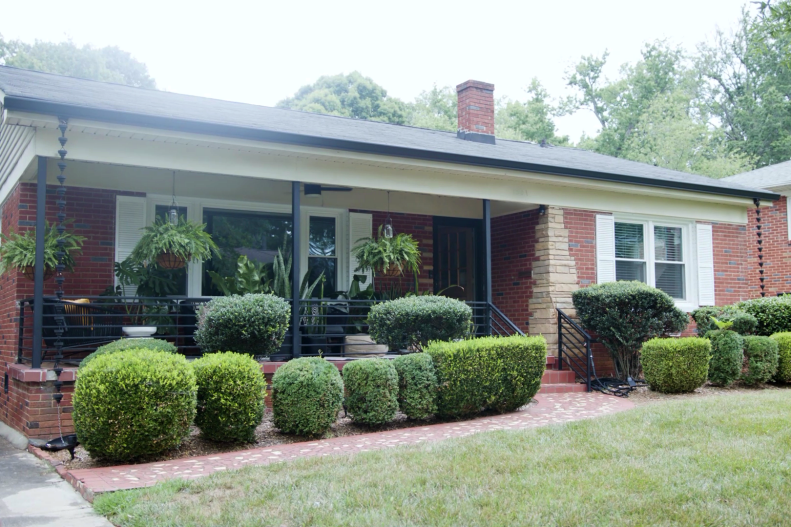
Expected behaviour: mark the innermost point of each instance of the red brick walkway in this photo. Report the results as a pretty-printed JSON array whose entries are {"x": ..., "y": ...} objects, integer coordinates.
[{"x": 551, "y": 408}]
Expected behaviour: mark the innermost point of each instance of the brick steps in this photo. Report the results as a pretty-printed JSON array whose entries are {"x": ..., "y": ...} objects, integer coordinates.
[{"x": 558, "y": 381}]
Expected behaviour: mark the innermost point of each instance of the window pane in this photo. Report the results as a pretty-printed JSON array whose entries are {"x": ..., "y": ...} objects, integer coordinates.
[
  {"x": 670, "y": 279},
  {"x": 330, "y": 268},
  {"x": 630, "y": 270},
  {"x": 667, "y": 244},
  {"x": 322, "y": 236},
  {"x": 629, "y": 242}
]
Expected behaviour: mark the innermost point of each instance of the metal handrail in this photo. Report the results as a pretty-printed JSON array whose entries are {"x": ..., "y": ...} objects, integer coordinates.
[{"x": 576, "y": 346}]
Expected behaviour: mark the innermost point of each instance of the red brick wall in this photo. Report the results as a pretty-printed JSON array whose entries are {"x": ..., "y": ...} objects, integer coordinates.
[
  {"x": 581, "y": 225},
  {"x": 777, "y": 250}
]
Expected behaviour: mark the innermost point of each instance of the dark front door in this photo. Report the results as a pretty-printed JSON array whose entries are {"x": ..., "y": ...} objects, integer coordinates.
[{"x": 455, "y": 259}]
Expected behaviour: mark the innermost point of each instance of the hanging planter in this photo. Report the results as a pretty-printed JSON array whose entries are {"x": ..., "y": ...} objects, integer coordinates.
[
  {"x": 29, "y": 272},
  {"x": 18, "y": 251},
  {"x": 171, "y": 246},
  {"x": 170, "y": 261},
  {"x": 387, "y": 256}
]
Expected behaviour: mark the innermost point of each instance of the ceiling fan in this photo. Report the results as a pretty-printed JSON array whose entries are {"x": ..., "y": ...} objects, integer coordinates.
[{"x": 316, "y": 190}]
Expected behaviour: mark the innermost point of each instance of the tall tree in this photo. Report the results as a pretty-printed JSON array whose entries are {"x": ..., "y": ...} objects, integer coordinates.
[
  {"x": 530, "y": 120},
  {"x": 435, "y": 109},
  {"x": 349, "y": 95},
  {"x": 108, "y": 64}
]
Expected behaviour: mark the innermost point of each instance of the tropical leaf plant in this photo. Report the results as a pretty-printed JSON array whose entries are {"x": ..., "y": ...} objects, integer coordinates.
[
  {"x": 251, "y": 277},
  {"x": 18, "y": 250},
  {"x": 187, "y": 240},
  {"x": 385, "y": 255}
]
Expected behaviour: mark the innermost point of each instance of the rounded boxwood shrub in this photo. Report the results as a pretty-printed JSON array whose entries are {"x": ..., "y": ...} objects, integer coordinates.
[
  {"x": 626, "y": 314},
  {"x": 417, "y": 385},
  {"x": 231, "y": 392},
  {"x": 725, "y": 365},
  {"x": 412, "y": 322},
  {"x": 307, "y": 395},
  {"x": 772, "y": 313},
  {"x": 761, "y": 357},
  {"x": 133, "y": 404},
  {"x": 742, "y": 322},
  {"x": 255, "y": 324},
  {"x": 371, "y": 391},
  {"x": 784, "y": 357},
  {"x": 497, "y": 373},
  {"x": 676, "y": 365},
  {"x": 127, "y": 344}
]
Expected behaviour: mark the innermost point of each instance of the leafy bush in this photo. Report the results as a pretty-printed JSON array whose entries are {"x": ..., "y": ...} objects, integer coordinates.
[
  {"x": 743, "y": 322},
  {"x": 252, "y": 324},
  {"x": 307, "y": 394},
  {"x": 772, "y": 313},
  {"x": 371, "y": 391},
  {"x": 626, "y": 314},
  {"x": 127, "y": 344},
  {"x": 498, "y": 373},
  {"x": 417, "y": 385},
  {"x": 676, "y": 365},
  {"x": 726, "y": 356},
  {"x": 412, "y": 322},
  {"x": 133, "y": 404},
  {"x": 761, "y": 355},
  {"x": 783, "y": 373},
  {"x": 231, "y": 392}
]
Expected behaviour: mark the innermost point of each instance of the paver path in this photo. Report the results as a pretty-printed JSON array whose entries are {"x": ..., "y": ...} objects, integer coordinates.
[{"x": 551, "y": 408}]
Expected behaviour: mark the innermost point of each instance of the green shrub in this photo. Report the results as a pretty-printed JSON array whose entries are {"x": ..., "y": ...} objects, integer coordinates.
[
  {"x": 307, "y": 394},
  {"x": 773, "y": 313},
  {"x": 371, "y": 391},
  {"x": 412, "y": 322},
  {"x": 497, "y": 373},
  {"x": 784, "y": 357},
  {"x": 417, "y": 385},
  {"x": 761, "y": 356},
  {"x": 676, "y": 365},
  {"x": 626, "y": 314},
  {"x": 253, "y": 324},
  {"x": 743, "y": 322},
  {"x": 133, "y": 404},
  {"x": 231, "y": 392},
  {"x": 126, "y": 344},
  {"x": 725, "y": 365}
]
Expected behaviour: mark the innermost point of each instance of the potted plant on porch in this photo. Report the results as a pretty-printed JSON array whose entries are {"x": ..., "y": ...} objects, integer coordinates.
[
  {"x": 18, "y": 251},
  {"x": 171, "y": 246},
  {"x": 387, "y": 256}
]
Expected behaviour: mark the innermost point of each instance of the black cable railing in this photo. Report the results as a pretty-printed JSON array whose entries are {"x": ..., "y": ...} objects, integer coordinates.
[
  {"x": 574, "y": 348},
  {"x": 328, "y": 327}
]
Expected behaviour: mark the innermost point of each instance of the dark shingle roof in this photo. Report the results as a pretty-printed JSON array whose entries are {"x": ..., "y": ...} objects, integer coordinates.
[
  {"x": 773, "y": 176},
  {"x": 79, "y": 98}
]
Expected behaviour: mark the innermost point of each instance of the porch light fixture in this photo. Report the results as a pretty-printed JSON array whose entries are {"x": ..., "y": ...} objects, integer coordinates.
[
  {"x": 173, "y": 213},
  {"x": 388, "y": 227},
  {"x": 542, "y": 209}
]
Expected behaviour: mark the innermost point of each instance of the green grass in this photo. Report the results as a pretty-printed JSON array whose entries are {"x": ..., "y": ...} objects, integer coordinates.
[{"x": 713, "y": 461}]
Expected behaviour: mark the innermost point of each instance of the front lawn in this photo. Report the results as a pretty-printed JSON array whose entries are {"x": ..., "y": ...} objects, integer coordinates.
[{"x": 722, "y": 460}]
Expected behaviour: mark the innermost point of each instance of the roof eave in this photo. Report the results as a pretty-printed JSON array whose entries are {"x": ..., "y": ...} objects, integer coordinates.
[{"x": 201, "y": 127}]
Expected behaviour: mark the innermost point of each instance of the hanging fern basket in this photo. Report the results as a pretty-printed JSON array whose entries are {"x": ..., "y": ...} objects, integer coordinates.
[
  {"x": 170, "y": 261},
  {"x": 29, "y": 272},
  {"x": 392, "y": 271}
]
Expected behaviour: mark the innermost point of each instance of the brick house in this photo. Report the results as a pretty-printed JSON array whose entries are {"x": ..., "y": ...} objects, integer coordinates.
[{"x": 511, "y": 226}]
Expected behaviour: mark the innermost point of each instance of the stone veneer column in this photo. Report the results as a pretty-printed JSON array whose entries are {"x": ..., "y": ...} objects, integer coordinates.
[{"x": 555, "y": 276}]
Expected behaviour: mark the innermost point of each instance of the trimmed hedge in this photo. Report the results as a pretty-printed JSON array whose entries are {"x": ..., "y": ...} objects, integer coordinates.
[
  {"x": 761, "y": 357},
  {"x": 417, "y": 385},
  {"x": 497, "y": 373},
  {"x": 133, "y": 404},
  {"x": 307, "y": 395},
  {"x": 725, "y": 365},
  {"x": 412, "y": 322},
  {"x": 127, "y": 344},
  {"x": 773, "y": 313},
  {"x": 254, "y": 324},
  {"x": 784, "y": 357},
  {"x": 743, "y": 322},
  {"x": 676, "y": 365},
  {"x": 231, "y": 392},
  {"x": 371, "y": 391},
  {"x": 626, "y": 314}
]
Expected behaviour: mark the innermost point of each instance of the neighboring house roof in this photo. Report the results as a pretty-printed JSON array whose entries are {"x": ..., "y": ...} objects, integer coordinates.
[
  {"x": 773, "y": 177},
  {"x": 78, "y": 98}
]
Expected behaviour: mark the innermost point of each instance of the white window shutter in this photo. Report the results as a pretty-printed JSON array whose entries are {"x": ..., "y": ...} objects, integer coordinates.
[
  {"x": 705, "y": 265},
  {"x": 360, "y": 226},
  {"x": 605, "y": 248},
  {"x": 130, "y": 218}
]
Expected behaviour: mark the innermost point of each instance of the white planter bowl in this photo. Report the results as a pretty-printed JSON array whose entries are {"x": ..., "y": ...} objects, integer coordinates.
[{"x": 137, "y": 332}]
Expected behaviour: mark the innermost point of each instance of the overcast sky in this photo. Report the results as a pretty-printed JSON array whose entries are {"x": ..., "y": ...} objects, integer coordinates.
[{"x": 260, "y": 52}]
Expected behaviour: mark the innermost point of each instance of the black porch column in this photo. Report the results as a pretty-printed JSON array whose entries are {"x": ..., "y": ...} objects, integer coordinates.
[
  {"x": 296, "y": 338},
  {"x": 38, "y": 283},
  {"x": 487, "y": 248}
]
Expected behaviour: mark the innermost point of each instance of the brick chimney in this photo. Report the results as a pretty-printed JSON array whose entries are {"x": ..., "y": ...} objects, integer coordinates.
[{"x": 476, "y": 111}]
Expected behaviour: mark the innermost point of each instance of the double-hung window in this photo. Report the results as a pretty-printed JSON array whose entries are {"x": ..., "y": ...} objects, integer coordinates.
[{"x": 323, "y": 254}]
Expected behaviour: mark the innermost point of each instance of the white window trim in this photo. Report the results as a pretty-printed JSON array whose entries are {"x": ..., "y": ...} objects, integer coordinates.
[
  {"x": 689, "y": 242},
  {"x": 196, "y": 206}
]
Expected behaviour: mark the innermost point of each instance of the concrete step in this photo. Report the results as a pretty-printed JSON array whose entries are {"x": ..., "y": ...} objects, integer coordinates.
[{"x": 561, "y": 388}]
